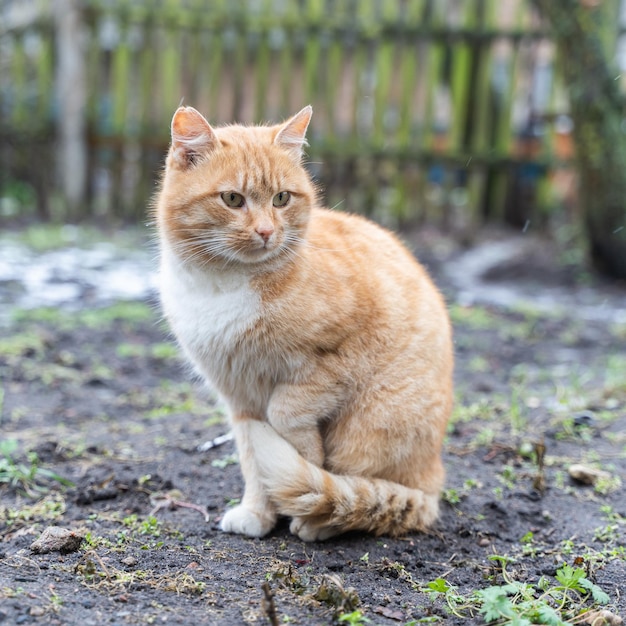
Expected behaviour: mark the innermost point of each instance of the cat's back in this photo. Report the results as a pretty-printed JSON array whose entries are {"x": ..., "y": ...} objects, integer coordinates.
[{"x": 350, "y": 244}]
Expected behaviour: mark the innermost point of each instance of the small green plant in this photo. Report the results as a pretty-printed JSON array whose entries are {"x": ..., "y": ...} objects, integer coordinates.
[
  {"x": 564, "y": 599},
  {"x": 229, "y": 459},
  {"x": 529, "y": 547},
  {"x": 355, "y": 617},
  {"x": 56, "y": 602},
  {"x": 451, "y": 496},
  {"x": 28, "y": 477},
  {"x": 507, "y": 477},
  {"x": 50, "y": 507},
  {"x": 454, "y": 496},
  {"x": 150, "y": 526}
]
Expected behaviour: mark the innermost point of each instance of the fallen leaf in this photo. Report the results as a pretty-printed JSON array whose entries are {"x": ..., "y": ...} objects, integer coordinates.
[{"x": 390, "y": 613}]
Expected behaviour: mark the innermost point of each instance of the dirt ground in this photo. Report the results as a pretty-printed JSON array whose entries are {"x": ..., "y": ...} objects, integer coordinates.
[{"x": 100, "y": 399}]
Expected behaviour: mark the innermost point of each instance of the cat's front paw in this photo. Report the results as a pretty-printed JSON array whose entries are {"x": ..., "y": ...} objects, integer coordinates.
[
  {"x": 243, "y": 521},
  {"x": 311, "y": 532}
]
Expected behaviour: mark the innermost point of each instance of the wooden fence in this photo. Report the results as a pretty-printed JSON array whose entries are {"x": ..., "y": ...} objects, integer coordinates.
[{"x": 446, "y": 110}]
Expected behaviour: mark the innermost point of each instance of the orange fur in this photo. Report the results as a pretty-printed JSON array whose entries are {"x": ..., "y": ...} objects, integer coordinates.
[{"x": 326, "y": 339}]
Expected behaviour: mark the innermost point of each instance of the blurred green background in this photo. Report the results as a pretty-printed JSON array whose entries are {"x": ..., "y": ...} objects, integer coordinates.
[{"x": 454, "y": 112}]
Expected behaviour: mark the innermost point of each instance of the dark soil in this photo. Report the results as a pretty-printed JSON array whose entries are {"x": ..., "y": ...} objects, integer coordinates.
[{"x": 103, "y": 401}]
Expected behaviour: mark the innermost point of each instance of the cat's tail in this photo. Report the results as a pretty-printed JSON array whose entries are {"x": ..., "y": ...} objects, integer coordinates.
[{"x": 324, "y": 504}]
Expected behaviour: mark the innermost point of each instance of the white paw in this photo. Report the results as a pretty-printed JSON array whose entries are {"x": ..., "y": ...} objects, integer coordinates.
[
  {"x": 309, "y": 532},
  {"x": 243, "y": 521}
]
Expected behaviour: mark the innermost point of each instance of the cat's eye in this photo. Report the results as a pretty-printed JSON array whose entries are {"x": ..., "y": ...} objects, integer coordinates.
[
  {"x": 232, "y": 199},
  {"x": 281, "y": 198}
]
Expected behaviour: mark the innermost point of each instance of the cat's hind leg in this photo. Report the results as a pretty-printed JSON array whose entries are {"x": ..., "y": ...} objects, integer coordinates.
[{"x": 255, "y": 516}]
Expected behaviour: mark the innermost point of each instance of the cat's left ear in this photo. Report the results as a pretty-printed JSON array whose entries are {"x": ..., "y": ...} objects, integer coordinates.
[
  {"x": 192, "y": 136},
  {"x": 292, "y": 134}
]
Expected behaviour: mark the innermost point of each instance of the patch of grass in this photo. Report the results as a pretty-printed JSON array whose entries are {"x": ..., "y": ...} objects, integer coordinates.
[
  {"x": 127, "y": 311},
  {"x": 564, "y": 598},
  {"x": 482, "y": 409},
  {"x": 354, "y": 617},
  {"x": 130, "y": 311},
  {"x": 164, "y": 351},
  {"x": 393, "y": 569},
  {"x": 327, "y": 589},
  {"x": 615, "y": 380},
  {"x": 11, "y": 592},
  {"x": 145, "y": 534},
  {"x": 28, "y": 477},
  {"x": 454, "y": 496},
  {"x": 46, "y": 237},
  {"x": 50, "y": 507},
  {"x": 44, "y": 315},
  {"x": 43, "y": 237},
  {"x": 25, "y": 344},
  {"x": 161, "y": 351},
  {"x": 225, "y": 461},
  {"x": 477, "y": 318},
  {"x": 169, "y": 399},
  {"x": 105, "y": 577}
]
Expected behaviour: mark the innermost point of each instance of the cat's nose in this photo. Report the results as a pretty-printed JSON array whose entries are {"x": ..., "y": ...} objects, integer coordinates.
[{"x": 265, "y": 231}]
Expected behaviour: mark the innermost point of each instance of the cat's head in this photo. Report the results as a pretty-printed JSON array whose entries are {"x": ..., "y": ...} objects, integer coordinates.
[{"x": 235, "y": 194}]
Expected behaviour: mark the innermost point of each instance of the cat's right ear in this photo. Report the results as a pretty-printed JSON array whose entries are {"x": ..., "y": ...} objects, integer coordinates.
[
  {"x": 192, "y": 137},
  {"x": 292, "y": 134}
]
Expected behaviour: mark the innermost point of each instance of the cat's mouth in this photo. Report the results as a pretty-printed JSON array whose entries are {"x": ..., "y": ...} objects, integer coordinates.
[{"x": 262, "y": 250}]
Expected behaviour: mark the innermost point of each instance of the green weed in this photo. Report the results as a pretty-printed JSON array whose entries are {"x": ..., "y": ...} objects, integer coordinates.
[
  {"x": 477, "y": 318},
  {"x": 124, "y": 311},
  {"x": 354, "y": 617},
  {"x": 50, "y": 507},
  {"x": 26, "y": 344},
  {"x": 229, "y": 459},
  {"x": 555, "y": 601},
  {"x": 28, "y": 477},
  {"x": 454, "y": 496}
]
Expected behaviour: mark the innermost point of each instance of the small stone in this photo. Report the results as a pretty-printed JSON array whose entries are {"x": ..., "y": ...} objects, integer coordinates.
[
  {"x": 602, "y": 617},
  {"x": 484, "y": 542},
  {"x": 36, "y": 611},
  {"x": 584, "y": 419},
  {"x": 587, "y": 475},
  {"x": 131, "y": 561},
  {"x": 57, "y": 539}
]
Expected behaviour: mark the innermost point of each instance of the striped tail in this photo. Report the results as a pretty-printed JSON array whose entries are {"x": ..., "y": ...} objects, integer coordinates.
[{"x": 323, "y": 504}]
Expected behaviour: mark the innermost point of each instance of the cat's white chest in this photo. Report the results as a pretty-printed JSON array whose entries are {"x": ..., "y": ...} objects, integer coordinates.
[{"x": 209, "y": 312}]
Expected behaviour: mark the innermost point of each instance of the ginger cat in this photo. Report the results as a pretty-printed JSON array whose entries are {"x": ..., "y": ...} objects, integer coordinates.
[{"x": 328, "y": 342}]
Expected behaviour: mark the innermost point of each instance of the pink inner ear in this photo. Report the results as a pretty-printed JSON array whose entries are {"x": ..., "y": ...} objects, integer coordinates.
[
  {"x": 293, "y": 132},
  {"x": 190, "y": 129}
]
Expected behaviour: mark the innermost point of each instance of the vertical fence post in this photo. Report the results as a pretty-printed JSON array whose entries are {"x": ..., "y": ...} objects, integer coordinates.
[{"x": 71, "y": 96}]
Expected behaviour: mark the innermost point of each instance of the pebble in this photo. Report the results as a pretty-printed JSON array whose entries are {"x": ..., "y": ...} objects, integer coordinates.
[
  {"x": 585, "y": 474},
  {"x": 584, "y": 419},
  {"x": 57, "y": 539}
]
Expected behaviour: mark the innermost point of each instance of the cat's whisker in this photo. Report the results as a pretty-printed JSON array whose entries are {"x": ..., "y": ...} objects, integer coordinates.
[
  {"x": 332, "y": 208},
  {"x": 308, "y": 244}
]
